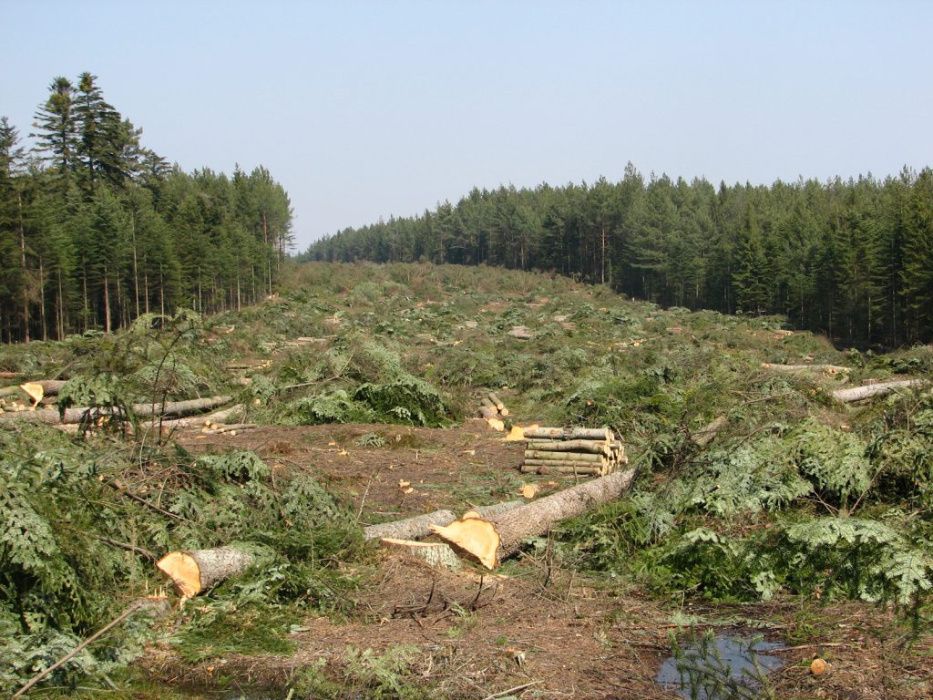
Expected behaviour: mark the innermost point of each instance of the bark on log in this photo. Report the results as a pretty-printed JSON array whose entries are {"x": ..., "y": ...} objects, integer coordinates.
[
  {"x": 50, "y": 387},
  {"x": 705, "y": 435},
  {"x": 435, "y": 554},
  {"x": 492, "y": 540},
  {"x": 409, "y": 528},
  {"x": 870, "y": 390},
  {"x": 578, "y": 469},
  {"x": 569, "y": 434},
  {"x": 829, "y": 369},
  {"x": 564, "y": 463},
  {"x": 142, "y": 410},
  {"x": 594, "y": 446},
  {"x": 195, "y": 571},
  {"x": 563, "y": 456},
  {"x": 497, "y": 402},
  {"x": 420, "y": 525},
  {"x": 488, "y": 412}
]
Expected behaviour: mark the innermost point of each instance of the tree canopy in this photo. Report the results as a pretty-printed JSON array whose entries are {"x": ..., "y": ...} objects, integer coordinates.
[
  {"x": 96, "y": 229},
  {"x": 851, "y": 258}
]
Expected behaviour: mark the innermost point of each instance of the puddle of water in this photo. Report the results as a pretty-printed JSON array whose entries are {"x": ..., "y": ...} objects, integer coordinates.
[{"x": 722, "y": 668}]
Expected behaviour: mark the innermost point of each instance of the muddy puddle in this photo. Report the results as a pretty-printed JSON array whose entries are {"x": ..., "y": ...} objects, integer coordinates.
[{"x": 723, "y": 667}]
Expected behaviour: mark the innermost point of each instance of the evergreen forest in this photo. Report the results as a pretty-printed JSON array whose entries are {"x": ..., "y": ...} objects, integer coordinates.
[
  {"x": 849, "y": 258},
  {"x": 97, "y": 229}
]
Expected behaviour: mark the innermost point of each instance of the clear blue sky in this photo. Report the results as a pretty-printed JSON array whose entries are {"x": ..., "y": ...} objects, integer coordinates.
[{"x": 367, "y": 109}]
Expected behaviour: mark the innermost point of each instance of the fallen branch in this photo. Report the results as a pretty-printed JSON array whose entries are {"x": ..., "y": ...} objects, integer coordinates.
[
  {"x": 492, "y": 540},
  {"x": 868, "y": 391},
  {"x": 135, "y": 606}
]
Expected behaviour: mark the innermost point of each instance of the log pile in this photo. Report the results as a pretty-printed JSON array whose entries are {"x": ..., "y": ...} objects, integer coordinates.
[
  {"x": 579, "y": 451},
  {"x": 493, "y": 411}
]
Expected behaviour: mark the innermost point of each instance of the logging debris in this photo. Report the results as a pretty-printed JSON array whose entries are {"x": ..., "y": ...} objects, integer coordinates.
[{"x": 577, "y": 451}]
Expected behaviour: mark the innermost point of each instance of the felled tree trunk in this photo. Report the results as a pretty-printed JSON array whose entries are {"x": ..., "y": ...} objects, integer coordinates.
[
  {"x": 409, "y": 528},
  {"x": 196, "y": 571},
  {"x": 420, "y": 525},
  {"x": 870, "y": 390},
  {"x": 142, "y": 410},
  {"x": 829, "y": 369},
  {"x": 494, "y": 538}
]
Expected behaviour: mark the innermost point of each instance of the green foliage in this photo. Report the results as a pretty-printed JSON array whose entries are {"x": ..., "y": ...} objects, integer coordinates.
[
  {"x": 835, "y": 461},
  {"x": 383, "y": 675},
  {"x": 64, "y": 573},
  {"x": 859, "y": 558}
]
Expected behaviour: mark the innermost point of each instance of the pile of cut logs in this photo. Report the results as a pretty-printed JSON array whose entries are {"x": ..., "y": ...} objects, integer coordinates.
[
  {"x": 582, "y": 451},
  {"x": 493, "y": 410}
]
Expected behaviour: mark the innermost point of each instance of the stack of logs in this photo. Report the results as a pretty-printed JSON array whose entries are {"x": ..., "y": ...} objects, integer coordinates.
[
  {"x": 580, "y": 451},
  {"x": 493, "y": 410}
]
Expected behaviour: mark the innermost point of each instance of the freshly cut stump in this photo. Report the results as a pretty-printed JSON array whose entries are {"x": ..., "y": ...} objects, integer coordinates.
[
  {"x": 196, "y": 571},
  {"x": 492, "y": 540},
  {"x": 435, "y": 554}
]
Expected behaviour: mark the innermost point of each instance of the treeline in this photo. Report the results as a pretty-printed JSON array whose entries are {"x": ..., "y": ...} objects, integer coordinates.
[
  {"x": 853, "y": 258},
  {"x": 96, "y": 229}
]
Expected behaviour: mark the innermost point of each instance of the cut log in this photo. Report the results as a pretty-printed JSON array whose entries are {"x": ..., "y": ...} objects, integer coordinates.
[
  {"x": 569, "y": 434},
  {"x": 488, "y": 412},
  {"x": 564, "y": 456},
  {"x": 50, "y": 387},
  {"x": 487, "y": 402},
  {"x": 564, "y": 468},
  {"x": 492, "y": 540},
  {"x": 496, "y": 424},
  {"x": 497, "y": 402},
  {"x": 198, "y": 570},
  {"x": 435, "y": 554},
  {"x": 595, "y": 446},
  {"x": 705, "y": 435},
  {"x": 868, "y": 391},
  {"x": 420, "y": 525},
  {"x": 142, "y": 410},
  {"x": 828, "y": 369}
]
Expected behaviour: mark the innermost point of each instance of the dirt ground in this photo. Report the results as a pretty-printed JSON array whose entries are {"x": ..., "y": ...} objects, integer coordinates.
[{"x": 541, "y": 630}]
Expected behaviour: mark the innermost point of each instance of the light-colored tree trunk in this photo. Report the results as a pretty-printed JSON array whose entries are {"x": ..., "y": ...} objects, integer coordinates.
[
  {"x": 51, "y": 416},
  {"x": 420, "y": 525},
  {"x": 494, "y": 538},
  {"x": 106, "y": 302},
  {"x": 868, "y": 391}
]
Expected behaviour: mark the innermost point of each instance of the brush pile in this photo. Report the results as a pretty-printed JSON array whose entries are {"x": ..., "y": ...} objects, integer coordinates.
[{"x": 580, "y": 451}]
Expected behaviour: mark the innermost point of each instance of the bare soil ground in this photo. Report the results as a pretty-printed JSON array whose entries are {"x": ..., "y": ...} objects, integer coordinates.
[{"x": 548, "y": 631}]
